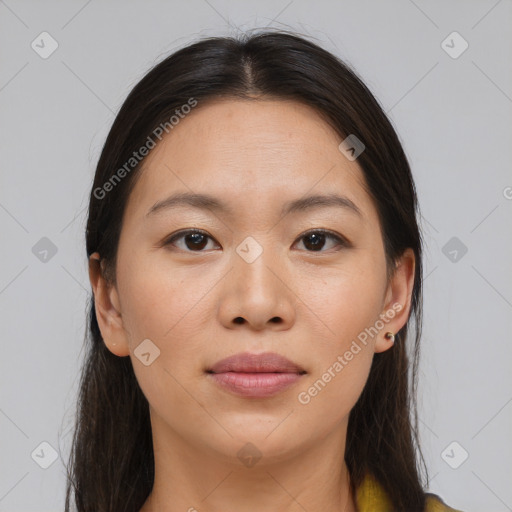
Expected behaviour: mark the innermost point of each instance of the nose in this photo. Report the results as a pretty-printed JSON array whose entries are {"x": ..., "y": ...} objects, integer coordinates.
[{"x": 258, "y": 295}]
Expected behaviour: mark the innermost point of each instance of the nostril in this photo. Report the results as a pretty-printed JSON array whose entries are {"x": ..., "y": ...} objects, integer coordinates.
[
  {"x": 276, "y": 320},
  {"x": 238, "y": 320}
]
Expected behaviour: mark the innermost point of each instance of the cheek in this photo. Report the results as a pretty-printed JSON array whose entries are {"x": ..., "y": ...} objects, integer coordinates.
[
  {"x": 347, "y": 299},
  {"x": 173, "y": 308},
  {"x": 348, "y": 302},
  {"x": 163, "y": 304},
  {"x": 171, "y": 311},
  {"x": 343, "y": 355},
  {"x": 329, "y": 394}
]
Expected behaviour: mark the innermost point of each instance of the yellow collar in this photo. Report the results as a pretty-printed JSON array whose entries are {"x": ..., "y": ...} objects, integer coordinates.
[{"x": 371, "y": 497}]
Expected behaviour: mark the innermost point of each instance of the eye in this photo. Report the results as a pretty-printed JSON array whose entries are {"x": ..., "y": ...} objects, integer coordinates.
[
  {"x": 195, "y": 240},
  {"x": 191, "y": 240},
  {"x": 315, "y": 241}
]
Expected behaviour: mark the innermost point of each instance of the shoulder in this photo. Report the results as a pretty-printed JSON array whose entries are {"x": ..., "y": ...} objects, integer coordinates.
[
  {"x": 436, "y": 504},
  {"x": 371, "y": 497}
]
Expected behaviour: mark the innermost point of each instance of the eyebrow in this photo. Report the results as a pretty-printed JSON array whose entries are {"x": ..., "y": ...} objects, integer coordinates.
[{"x": 208, "y": 202}]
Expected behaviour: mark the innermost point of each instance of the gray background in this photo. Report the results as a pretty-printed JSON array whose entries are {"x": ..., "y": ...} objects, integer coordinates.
[{"x": 452, "y": 114}]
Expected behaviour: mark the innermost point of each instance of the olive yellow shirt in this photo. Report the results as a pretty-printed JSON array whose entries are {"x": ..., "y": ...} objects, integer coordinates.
[{"x": 371, "y": 497}]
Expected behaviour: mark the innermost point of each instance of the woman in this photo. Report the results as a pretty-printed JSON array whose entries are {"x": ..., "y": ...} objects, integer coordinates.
[{"x": 255, "y": 261}]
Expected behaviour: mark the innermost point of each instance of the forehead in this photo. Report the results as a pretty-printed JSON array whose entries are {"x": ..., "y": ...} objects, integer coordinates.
[{"x": 255, "y": 152}]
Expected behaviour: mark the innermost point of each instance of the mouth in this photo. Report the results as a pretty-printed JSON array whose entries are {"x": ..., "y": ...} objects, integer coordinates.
[{"x": 255, "y": 375}]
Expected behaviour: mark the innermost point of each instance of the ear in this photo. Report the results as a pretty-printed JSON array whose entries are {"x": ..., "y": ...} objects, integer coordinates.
[
  {"x": 397, "y": 301},
  {"x": 108, "y": 311}
]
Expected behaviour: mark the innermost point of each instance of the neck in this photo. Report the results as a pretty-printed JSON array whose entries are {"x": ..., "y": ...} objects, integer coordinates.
[{"x": 194, "y": 478}]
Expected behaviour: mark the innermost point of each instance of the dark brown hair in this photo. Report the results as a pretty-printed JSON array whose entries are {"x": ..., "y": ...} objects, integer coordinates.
[{"x": 111, "y": 467}]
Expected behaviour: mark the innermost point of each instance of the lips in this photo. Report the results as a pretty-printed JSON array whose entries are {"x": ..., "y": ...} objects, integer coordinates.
[
  {"x": 255, "y": 375},
  {"x": 246, "y": 362}
]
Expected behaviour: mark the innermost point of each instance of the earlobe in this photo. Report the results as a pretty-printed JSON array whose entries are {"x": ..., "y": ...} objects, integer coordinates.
[
  {"x": 397, "y": 303},
  {"x": 106, "y": 303},
  {"x": 384, "y": 341}
]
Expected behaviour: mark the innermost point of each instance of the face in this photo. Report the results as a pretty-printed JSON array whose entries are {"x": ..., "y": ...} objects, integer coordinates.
[{"x": 284, "y": 256}]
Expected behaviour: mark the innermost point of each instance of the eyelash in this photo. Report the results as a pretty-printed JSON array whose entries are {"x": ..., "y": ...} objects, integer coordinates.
[{"x": 343, "y": 242}]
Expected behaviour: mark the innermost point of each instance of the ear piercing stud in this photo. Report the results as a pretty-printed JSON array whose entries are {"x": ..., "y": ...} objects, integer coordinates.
[{"x": 390, "y": 336}]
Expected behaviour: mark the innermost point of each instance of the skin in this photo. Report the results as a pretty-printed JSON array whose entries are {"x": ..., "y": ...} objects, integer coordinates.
[{"x": 254, "y": 156}]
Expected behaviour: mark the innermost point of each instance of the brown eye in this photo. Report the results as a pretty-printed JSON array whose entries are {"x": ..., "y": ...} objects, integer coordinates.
[
  {"x": 315, "y": 241},
  {"x": 190, "y": 240}
]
